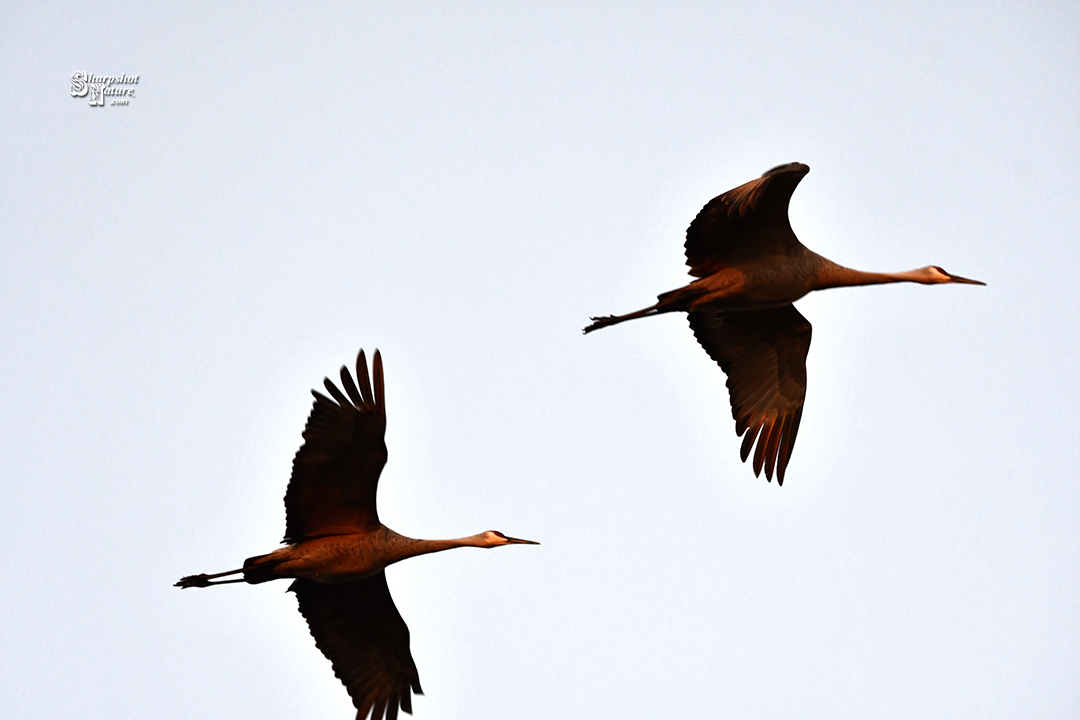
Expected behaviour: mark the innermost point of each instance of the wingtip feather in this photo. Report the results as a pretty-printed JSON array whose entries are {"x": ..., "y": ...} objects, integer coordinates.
[
  {"x": 365, "y": 381},
  {"x": 748, "y": 441},
  {"x": 350, "y": 387},
  {"x": 380, "y": 391},
  {"x": 335, "y": 393}
]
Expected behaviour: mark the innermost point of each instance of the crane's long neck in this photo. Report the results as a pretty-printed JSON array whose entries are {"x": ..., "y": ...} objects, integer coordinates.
[
  {"x": 411, "y": 547},
  {"x": 831, "y": 275}
]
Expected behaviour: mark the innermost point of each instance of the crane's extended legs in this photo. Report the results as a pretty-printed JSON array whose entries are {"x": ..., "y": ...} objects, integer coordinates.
[
  {"x": 599, "y": 322},
  {"x": 204, "y": 580}
]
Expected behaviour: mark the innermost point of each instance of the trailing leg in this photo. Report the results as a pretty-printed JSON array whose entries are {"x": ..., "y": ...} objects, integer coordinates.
[
  {"x": 599, "y": 322},
  {"x": 204, "y": 580}
]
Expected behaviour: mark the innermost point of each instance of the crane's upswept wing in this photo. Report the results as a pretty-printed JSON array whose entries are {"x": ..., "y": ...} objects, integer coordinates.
[
  {"x": 763, "y": 353},
  {"x": 359, "y": 630},
  {"x": 744, "y": 224},
  {"x": 336, "y": 471}
]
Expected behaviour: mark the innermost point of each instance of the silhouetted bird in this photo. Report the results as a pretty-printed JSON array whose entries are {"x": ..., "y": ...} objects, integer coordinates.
[
  {"x": 337, "y": 547},
  {"x": 750, "y": 269}
]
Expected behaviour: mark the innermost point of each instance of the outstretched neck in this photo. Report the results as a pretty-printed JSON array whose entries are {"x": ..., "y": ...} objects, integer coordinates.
[
  {"x": 411, "y": 547},
  {"x": 831, "y": 275}
]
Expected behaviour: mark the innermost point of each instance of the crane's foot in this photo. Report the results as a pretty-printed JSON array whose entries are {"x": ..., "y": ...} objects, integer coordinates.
[
  {"x": 599, "y": 322},
  {"x": 204, "y": 580}
]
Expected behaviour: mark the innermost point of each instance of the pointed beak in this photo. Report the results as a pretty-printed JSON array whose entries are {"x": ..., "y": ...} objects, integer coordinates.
[
  {"x": 965, "y": 281},
  {"x": 520, "y": 541}
]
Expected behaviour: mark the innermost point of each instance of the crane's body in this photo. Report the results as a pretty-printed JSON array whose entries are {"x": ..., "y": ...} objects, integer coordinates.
[
  {"x": 750, "y": 268},
  {"x": 343, "y": 558},
  {"x": 338, "y": 549}
]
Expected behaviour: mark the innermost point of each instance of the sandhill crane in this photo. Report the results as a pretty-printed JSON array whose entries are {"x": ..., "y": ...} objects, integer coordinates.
[
  {"x": 750, "y": 269},
  {"x": 337, "y": 548}
]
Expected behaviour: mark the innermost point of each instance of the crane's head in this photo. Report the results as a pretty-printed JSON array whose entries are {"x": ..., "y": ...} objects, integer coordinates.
[
  {"x": 494, "y": 538},
  {"x": 932, "y": 274}
]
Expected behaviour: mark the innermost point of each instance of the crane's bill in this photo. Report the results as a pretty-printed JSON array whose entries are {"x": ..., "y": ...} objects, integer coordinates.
[
  {"x": 520, "y": 541},
  {"x": 964, "y": 280}
]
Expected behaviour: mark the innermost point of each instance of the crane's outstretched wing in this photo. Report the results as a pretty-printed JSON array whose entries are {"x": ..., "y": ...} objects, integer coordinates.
[
  {"x": 359, "y": 630},
  {"x": 336, "y": 471},
  {"x": 746, "y": 223},
  {"x": 763, "y": 353}
]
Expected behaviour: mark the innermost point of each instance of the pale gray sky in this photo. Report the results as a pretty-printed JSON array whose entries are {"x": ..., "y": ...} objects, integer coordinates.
[{"x": 462, "y": 187}]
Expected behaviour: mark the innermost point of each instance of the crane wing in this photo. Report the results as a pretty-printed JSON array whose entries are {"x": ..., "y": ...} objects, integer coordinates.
[
  {"x": 744, "y": 224},
  {"x": 360, "y": 631},
  {"x": 336, "y": 471},
  {"x": 763, "y": 353}
]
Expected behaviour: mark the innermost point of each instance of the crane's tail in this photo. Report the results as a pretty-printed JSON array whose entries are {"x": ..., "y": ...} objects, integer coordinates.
[
  {"x": 600, "y": 322},
  {"x": 262, "y": 568}
]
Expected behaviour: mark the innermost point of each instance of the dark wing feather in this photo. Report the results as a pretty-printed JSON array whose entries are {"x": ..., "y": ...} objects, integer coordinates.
[
  {"x": 746, "y": 223},
  {"x": 336, "y": 471},
  {"x": 763, "y": 353},
  {"x": 359, "y": 630}
]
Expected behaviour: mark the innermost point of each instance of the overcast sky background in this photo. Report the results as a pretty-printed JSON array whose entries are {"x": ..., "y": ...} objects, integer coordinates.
[{"x": 462, "y": 188}]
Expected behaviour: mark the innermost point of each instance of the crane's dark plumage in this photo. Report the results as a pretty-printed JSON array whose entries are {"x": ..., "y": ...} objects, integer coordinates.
[
  {"x": 763, "y": 353},
  {"x": 750, "y": 269},
  {"x": 336, "y": 471},
  {"x": 745, "y": 224},
  {"x": 372, "y": 657},
  {"x": 338, "y": 549}
]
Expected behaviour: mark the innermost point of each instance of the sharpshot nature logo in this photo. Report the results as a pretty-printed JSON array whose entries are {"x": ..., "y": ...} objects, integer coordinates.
[{"x": 103, "y": 87}]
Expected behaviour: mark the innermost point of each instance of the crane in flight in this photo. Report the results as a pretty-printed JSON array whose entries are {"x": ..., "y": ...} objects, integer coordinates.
[
  {"x": 337, "y": 549},
  {"x": 750, "y": 268}
]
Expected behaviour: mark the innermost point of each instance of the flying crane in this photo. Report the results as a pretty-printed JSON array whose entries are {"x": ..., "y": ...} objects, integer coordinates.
[
  {"x": 338, "y": 549},
  {"x": 750, "y": 268}
]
